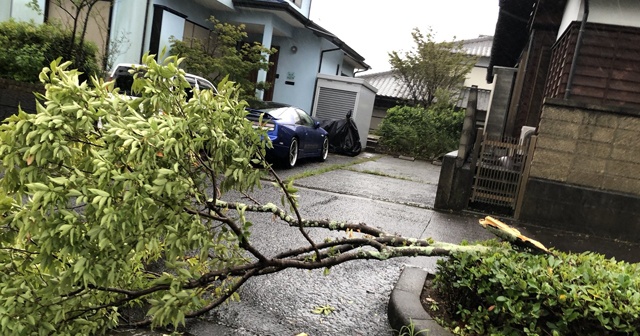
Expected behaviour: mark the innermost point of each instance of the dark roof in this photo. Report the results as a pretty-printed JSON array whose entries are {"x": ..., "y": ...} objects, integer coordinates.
[
  {"x": 516, "y": 20},
  {"x": 285, "y": 6},
  {"x": 511, "y": 34}
]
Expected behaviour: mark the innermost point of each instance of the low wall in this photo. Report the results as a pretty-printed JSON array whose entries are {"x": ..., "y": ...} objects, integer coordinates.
[
  {"x": 14, "y": 94},
  {"x": 585, "y": 173},
  {"x": 454, "y": 184}
]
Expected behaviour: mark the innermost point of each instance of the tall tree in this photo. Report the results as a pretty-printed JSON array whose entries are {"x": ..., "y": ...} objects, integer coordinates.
[{"x": 431, "y": 69}]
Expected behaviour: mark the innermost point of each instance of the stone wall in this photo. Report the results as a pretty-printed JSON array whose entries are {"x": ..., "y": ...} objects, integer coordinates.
[
  {"x": 14, "y": 94},
  {"x": 585, "y": 174},
  {"x": 589, "y": 146}
]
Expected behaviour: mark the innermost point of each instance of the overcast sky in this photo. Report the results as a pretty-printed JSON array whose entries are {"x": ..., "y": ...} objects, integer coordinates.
[{"x": 375, "y": 27}]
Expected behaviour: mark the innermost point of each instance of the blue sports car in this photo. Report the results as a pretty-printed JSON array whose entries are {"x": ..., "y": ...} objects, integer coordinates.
[{"x": 293, "y": 133}]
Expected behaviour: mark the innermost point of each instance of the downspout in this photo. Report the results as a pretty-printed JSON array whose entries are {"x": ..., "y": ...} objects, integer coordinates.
[
  {"x": 574, "y": 61},
  {"x": 315, "y": 86},
  {"x": 144, "y": 29}
]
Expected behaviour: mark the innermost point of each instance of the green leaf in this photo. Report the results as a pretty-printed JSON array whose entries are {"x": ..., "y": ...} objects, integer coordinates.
[
  {"x": 37, "y": 186},
  {"x": 99, "y": 192}
]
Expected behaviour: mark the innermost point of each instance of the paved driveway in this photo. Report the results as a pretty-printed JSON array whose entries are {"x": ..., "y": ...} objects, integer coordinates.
[
  {"x": 386, "y": 192},
  {"x": 393, "y": 194}
]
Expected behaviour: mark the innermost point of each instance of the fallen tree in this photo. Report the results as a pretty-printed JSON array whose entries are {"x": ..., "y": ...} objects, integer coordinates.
[{"x": 110, "y": 203}]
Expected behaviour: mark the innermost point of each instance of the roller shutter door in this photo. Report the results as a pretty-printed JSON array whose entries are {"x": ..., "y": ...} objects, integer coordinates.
[{"x": 334, "y": 103}]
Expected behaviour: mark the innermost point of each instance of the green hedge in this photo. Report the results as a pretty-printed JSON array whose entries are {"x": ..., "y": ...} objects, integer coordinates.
[
  {"x": 420, "y": 132},
  {"x": 26, "y": 47},
  {"x": 510, "y": 293}
]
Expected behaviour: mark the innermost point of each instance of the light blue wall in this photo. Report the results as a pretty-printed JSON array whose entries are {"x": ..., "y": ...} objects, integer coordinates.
[
  {"x": 303, "y": 65},
  {"x": 330, "y": 61},
  {"x": 18, "y": 10},
  {"x": 347, "y": 69}
]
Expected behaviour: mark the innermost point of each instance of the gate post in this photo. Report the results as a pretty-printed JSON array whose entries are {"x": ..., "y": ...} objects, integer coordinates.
[{"x": 522, "y": 186}]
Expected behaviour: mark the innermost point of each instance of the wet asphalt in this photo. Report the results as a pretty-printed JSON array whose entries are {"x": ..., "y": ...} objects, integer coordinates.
[{"x": 393, "y": 194}]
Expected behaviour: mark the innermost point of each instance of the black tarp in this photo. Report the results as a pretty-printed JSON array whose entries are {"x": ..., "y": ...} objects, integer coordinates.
[{"x": 343, "y": 135}]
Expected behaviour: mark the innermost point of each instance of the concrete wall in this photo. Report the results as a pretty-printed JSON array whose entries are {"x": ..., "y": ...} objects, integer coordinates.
[
  {"x": 596, "y": 149},
  {"x": 495, "y": 122},
  {"x": 585, "y": 171},
  {"x": 454, "y": 184}
]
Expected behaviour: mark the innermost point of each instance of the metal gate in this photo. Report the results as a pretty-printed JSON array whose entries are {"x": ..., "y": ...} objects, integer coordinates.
[{"x": 501, "y": 170}]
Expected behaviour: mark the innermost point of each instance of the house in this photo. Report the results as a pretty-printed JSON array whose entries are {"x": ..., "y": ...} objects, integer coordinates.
[
  {"x": 305, "y": 49},
  {"x": 568, "y": 71},
  {"x": 392, "y": 91}
]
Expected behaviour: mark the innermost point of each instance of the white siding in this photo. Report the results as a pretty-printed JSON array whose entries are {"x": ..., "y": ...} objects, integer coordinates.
[{"x": 615, "y": 12}]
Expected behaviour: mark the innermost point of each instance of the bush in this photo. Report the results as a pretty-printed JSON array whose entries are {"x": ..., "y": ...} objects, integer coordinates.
[
  {"x": 420, "y": 132},
  {"x": 26, "y": 48},
  {"x": 225, "y": 54},
  {"x": 509, "y": 293}
]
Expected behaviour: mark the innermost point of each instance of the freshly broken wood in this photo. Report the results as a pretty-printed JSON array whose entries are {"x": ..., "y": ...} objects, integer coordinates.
[{"x": 511, "y": 234}]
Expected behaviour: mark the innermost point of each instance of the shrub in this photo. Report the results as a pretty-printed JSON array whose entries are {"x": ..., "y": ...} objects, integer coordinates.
[
  {"x": 420, "y": 132},
  {"x": 25, "y": 48},
  {"x": 509, "y": 293},
  {"x": 225, "y": 54}
]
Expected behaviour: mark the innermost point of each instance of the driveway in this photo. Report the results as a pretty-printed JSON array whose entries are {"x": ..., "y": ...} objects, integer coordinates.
[{"x": 393, "y": 194}]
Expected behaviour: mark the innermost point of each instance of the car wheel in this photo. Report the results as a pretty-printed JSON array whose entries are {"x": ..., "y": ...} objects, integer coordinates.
[
  {"x": 325, "y": 150},
  {"x": 292, "y": 156}
]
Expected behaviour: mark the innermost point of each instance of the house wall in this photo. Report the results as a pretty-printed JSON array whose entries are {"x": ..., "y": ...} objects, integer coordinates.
[
  {"x": 478, "y": 76},
  {"x": 608, "y": 66},
  {"x": 97, "y": 26},
  {"x": 304, "y": 6},
  {"x": 377, "y": 116},
  {"x": 303, "y": 65},
  {"x": 584, "y": 172},
  {"x": 330, "y": 60},
  {"x": 618, "y": 12},
  {"x": 18, "y": 10},
  {"x": 296, "y": 72}
]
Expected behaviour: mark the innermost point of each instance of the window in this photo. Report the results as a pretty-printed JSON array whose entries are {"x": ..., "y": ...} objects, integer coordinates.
[
  {"x": 305, "y": 119},
  {"x": 297, "y": 3},
  {"x": 193, "y": 31}
]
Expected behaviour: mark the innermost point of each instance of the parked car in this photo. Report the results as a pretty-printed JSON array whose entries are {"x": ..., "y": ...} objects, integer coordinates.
[
  {"x": 293, "y": 133},
  {"x": 124, "y": 79}
]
